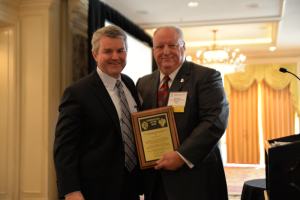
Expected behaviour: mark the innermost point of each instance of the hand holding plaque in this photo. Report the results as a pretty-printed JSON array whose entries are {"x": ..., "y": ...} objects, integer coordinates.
[{"x": 155, "y": 134}]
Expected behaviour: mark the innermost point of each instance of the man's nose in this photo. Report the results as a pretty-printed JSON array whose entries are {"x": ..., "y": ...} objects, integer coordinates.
[
  {"x": 166, "y": 50},
  {"x": 115, "y": 56}
]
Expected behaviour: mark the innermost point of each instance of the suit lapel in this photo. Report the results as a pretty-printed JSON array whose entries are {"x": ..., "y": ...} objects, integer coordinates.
[
  {"x": 154, "y": 82},
  {"x": 180, "y": 79},
  {"x": 103, "y": 96}
]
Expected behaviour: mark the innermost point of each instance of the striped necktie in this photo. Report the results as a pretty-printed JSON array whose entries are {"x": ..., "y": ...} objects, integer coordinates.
[
  {"x": 163, "y": 92},
  {"x": 128, "y": 136}
]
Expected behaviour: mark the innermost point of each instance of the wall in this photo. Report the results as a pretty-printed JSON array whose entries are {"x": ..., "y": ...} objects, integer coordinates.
[{"x": 30, "y": 79}]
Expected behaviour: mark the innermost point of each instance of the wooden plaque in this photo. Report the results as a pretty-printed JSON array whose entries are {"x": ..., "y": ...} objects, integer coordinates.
[{"x": 155, "y": 134}]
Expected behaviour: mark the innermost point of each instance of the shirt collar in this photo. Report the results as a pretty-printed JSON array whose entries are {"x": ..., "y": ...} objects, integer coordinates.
[
  {"x": 108, "y": 80},
  {"x": 172, "y": 75}
]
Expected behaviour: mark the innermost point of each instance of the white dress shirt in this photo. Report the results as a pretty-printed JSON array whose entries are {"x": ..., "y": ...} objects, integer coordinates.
[{"x": 110, "y": 85}]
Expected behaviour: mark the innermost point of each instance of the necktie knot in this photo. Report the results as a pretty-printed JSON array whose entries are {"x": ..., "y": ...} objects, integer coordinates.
[
  {"x": 167, "y": 78},
  {"x": 118, "y": 84}
]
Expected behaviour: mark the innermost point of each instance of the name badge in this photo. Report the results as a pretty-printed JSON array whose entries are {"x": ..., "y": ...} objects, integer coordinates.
[{"x": 177, "y": 100}]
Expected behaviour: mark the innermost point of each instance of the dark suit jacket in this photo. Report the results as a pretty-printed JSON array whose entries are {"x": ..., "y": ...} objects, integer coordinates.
[
  {"x": 88, "y": 148},
  {"x": 199, "y": 128}
]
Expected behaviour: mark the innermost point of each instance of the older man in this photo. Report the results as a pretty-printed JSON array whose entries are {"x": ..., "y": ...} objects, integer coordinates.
[
  {"x": 94, "y": 151},
  {"x": 195, "y": 170}
]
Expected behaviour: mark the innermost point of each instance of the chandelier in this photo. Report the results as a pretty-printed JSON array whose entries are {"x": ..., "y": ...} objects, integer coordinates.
[{"x": 217, "y": 57}]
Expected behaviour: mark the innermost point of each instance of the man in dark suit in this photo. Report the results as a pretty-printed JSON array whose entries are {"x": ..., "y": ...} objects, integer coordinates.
[
  {"x": 195, "y": 170},
  {"x": 94, "y": 148}
]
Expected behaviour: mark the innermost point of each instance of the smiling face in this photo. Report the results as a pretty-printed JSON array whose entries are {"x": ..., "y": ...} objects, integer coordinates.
[
  {"x": 111, "y": 57},
  {"x": 169, "y": 50}
]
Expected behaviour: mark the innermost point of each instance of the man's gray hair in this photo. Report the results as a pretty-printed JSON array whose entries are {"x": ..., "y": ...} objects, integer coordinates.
[
  {"x": 176, "y": 28},
  {"x": 108, "y": 31}
]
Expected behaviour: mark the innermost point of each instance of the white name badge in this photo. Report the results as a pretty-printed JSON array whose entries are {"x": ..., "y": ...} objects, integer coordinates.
[{"x": 177, "y": 100}]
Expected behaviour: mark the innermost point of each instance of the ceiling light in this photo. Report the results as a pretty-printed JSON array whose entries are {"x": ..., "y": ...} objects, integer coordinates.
[
  {"x": 189, "y": 58},
  {"x": 217, "y": 57},
  {"x": 198, "y": 53},
  {"x": 142, "y": 12},
  {"x": 253, "y": 5},
  {"x": 193, "y": 4},
  {"x": 272, "y": 48}
]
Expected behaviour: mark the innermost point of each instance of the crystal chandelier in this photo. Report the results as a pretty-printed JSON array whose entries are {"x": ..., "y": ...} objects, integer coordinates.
[{"x": 217, "y": 57}]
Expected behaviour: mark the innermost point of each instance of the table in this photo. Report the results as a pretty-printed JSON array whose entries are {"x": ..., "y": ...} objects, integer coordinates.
[{"x": 254, "y": 189}]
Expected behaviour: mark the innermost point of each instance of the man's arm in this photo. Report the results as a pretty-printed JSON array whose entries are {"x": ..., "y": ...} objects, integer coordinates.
[
  {"x": 66, "y": 144},
  {"x": 213, "y": 113}
]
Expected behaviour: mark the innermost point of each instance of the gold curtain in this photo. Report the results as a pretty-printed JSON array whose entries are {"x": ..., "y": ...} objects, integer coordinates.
[
  {"x": 277, "y": 112},
  {"x": 242, "y": 134},
  {"x": 272, "y": 76}
]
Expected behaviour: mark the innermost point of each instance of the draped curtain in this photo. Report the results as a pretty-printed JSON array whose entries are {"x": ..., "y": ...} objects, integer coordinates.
[
  {"x": 279, "y": 97},
  {"x": 277, "y": 112},
  {"x": 242, "y": 132}
]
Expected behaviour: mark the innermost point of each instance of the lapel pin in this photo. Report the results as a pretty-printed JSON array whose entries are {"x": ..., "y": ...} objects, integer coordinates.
[{"x": 181, "y": 81}]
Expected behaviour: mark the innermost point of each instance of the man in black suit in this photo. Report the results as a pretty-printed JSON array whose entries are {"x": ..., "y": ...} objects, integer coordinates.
[
  {"x": 195, "y": 171},
  {"x": 94, "y": 150}
]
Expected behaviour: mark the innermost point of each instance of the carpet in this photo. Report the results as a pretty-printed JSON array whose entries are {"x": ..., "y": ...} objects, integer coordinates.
[{"x": 236, "y": 175}]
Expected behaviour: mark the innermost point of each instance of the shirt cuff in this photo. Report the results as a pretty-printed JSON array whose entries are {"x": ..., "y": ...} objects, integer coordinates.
[{"x": 191, "y": 165}]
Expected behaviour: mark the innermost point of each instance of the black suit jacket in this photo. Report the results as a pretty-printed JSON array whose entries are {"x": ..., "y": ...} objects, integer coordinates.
[
  {"x": 199, "y": 128},
  {"x": 88, "y": 148}
]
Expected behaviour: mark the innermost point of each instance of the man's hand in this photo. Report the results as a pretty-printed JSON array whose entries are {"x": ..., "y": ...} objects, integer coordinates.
[
  {"x": 170, "y": 161},
  {"x": 75, "y": 196}
]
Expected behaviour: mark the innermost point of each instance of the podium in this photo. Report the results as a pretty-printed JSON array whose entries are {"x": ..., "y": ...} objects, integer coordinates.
[{"x": 283, "y": 168}]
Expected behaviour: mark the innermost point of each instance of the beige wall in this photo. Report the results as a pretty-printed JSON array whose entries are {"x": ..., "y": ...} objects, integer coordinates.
[{"x": 30, "y": 96}]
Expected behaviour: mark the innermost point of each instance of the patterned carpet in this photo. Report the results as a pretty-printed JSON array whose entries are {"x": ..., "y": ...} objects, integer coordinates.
[{"x": 236, "y": 175}]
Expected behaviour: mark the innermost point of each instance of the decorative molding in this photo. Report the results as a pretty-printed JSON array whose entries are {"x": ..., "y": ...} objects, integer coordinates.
[
  {"x": 79, "y": 14},
  {"x": 214, "y": 22},
  {"x": 27, "y": 4},
  {"x": 275, "y": 28},
  {"x": 7, "y": 18},
  {"x": 12, "y": 3}
]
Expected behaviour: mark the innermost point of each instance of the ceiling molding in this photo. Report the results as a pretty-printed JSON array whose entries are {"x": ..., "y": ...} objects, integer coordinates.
[
  {"x": 214, "y": 22},
  {"x": 28, "y": 4},
  {"x": 275, "y": 28},
  {"x": 79, "y": 14},
  {"x": 12, "y": 3},
  {"x": 7, "y": 18}
]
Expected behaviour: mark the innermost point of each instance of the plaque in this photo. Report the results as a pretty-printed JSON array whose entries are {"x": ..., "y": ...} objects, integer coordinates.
[{"x": 155, "y": 134}]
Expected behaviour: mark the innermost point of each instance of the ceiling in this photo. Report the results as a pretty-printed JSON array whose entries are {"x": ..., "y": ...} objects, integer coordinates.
[{"x": 249, "y": 25}]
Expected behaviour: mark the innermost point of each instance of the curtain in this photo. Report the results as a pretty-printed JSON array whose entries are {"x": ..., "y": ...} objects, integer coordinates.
[
  {"x": 242, "y": 135},
  {"x": 98, "y": 13},
  {"x": 279, "y": 98},
  {"x": 277, "y": 112},
  {"x": 271, "y": 75}
]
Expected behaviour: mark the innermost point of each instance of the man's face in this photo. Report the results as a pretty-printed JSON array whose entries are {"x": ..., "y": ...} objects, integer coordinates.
[
  {"x": 111, "y": 57},
  {"x": 169, "y": 50}
]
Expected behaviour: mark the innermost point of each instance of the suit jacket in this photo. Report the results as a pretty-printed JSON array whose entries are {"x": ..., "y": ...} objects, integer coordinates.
[
  {"x": 88, "y": 149},
  {"x": 200, "y": 128}
]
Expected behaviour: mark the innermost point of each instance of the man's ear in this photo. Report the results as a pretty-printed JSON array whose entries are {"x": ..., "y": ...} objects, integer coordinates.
[
  {"x": 183, "y": 45},
  {"x": 95, "y": 56}
]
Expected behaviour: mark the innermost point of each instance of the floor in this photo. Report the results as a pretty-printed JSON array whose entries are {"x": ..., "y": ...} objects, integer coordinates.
[{"x": 236, "y": 175}]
